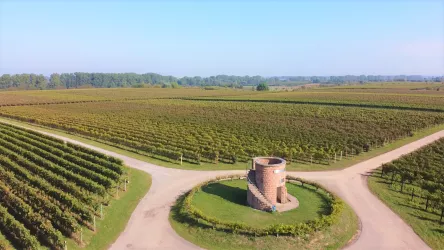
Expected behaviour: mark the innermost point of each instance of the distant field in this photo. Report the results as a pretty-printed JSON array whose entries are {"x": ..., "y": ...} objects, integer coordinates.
[
  {"x": 380, "y": 98},
  {"x": 52, "y": 192},
  {"x": 12, "y": 98},
  {"x": 395, "y": 85}
]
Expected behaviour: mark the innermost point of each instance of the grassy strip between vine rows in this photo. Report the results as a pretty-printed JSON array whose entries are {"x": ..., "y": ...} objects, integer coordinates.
[
  {"x": 38, "y": 209},
  {"x": 116, "y": 216},
  {"x": 189, "y": 211},
  {"x": 117, "y": 213}
]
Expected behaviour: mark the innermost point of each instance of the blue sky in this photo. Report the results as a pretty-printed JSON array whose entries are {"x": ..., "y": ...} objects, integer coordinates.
[{"x": 207, "y": 37}]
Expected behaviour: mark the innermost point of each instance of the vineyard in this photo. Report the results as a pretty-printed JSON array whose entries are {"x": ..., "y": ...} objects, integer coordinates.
[
  {"x": 18, "y": 98},
  {"x": 413, "y": 186},
  {"x": 425, "y": 170},
  {"x": 52, "y": 191},
  {"x": 372, "y": 98},
  {"x": 229, "y": 132}
]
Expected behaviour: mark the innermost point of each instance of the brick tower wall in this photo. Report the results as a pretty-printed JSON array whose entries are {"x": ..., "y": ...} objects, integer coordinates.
[
  {"x": 270, "y": 175},
  {"x": 282, "y": 194}
]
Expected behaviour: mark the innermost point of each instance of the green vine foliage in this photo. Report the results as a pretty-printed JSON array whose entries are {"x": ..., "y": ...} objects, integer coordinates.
[
  {"x": 49, "y": 189},
  {"x": 424, "y": 171},
  {"x": 213, "y": 131}
]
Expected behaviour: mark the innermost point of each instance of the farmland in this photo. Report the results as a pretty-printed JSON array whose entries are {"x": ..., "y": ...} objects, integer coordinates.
[
  {"x": 413, "y": 187},
  {"x": 201, "y": 129},
  {"x": 195, "y": 126},
  {"x": 18, "y": 98},
  {"x": 229, "y": 131},
  {"x": 372, "y": 98},
  {"x": 57, "y": 194}
]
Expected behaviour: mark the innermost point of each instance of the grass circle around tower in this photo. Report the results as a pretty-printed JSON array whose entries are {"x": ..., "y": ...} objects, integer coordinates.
[
  {"x": 215, "y": 215},
  {"x": 227, "y": 201}
]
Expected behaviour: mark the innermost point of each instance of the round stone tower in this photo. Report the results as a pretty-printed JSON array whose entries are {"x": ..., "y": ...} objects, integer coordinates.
[{"x": 270, "y": 177}]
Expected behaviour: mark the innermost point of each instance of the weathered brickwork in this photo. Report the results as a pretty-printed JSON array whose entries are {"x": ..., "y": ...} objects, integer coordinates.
[
  {"x": 282, "y": 194},
  {"x": 267, "y": 183}
]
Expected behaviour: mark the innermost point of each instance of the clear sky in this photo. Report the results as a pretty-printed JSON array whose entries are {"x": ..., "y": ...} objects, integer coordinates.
[{"x": 205, "y": 38}]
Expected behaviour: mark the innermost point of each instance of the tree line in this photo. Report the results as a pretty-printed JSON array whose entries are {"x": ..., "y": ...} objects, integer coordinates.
[{"x": 116, "y": 80}]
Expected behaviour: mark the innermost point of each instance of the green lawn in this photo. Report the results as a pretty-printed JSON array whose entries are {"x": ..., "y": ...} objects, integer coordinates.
[
  {"x": 228, "y": 202},
  {"x": 424, "y": 223},
  {"x": 117, "y": 214},
  {"x": 231, "y": 198}
]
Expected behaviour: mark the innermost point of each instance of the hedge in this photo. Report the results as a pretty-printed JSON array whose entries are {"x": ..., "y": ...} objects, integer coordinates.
[{"x": 194, "y": 214}]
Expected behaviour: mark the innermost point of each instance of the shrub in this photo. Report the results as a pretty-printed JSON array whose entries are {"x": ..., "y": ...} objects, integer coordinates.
[{"x": 262, "y": 87}]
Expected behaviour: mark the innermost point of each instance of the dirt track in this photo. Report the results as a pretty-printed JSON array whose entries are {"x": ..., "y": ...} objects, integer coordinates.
[{"x": 149, "y": 228}]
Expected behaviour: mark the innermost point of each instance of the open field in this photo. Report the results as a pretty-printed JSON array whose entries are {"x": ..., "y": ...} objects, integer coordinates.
[
  {"x": 54, "y": 192},
  {"x": 413, "y": 187}
]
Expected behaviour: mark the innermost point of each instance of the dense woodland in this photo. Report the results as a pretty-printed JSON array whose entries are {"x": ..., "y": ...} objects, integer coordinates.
[{"x": 115, "y": 80}]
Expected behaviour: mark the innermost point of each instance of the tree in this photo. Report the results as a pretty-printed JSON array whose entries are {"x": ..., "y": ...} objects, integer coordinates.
[
  {"x": 5, "y": 81},
  {"x": 41, "y": 82},
  {"x": 262, "y": 87},
  {"x": 175, "y": 85},
  {"x": 54, "y": 81}
]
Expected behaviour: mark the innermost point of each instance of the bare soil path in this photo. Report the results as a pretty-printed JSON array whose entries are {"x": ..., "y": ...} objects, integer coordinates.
[{"x": 149, "y": 228}]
